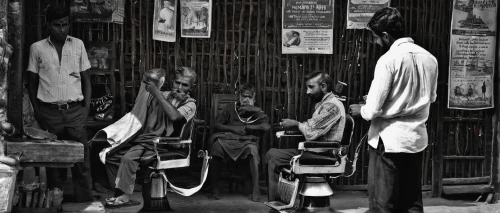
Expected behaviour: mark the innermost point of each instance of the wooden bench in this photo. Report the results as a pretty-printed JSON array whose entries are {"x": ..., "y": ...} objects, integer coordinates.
[{"x": 41, "y": 154}]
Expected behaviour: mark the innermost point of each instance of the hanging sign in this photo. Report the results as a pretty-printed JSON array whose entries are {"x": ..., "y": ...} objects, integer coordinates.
[
  {"x": 112, "y": 11},
  {"x": 164, "y": 20},
  {"x": 472, "y": 54},
  {"x": 359, "y": 12},
  {"x": 307, "y": 26},
  {"x": 196, "y": 16}
]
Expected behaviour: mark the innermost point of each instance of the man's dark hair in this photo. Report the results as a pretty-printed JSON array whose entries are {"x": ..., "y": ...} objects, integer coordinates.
[
  {"x": 55, "y": 12},
  {"x": 246, "y": 87},
  {"x": 324, "y": 78},
  {"x": 387, "y": 20}
]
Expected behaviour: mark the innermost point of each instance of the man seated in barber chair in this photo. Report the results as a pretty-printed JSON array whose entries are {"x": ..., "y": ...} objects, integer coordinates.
[
  {"x": 326, "y": 124},
  {"x": 158, "y": 114},
  {"x": 238, "y": 127}
]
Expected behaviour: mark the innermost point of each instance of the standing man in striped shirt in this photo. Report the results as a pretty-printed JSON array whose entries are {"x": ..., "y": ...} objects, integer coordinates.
[
  {"x": 59, "y": 89},
  {"x": 403, "y": 88}
]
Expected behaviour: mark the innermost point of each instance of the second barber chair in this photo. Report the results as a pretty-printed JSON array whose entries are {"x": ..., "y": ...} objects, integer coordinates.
[{"x": 318, "y": 162}]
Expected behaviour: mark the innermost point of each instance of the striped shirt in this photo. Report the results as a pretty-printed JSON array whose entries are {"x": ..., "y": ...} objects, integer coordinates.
[
  {"x": 186, "y": 108},
  {"x": 403, "y": 87},
  {"x": 327, "y": 122},
  {"x": 59, "y": 81}
]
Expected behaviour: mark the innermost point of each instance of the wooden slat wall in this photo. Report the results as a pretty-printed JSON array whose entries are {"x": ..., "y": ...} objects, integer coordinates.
[{"x": 245, "y": 46}]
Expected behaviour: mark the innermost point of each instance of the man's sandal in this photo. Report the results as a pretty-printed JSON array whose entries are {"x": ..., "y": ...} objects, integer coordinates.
[{"x": 117, "y": 202}]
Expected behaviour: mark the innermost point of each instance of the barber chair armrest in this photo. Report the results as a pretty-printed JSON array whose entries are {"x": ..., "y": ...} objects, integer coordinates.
[
  {"x": 173, "y": 140},
  {"x": 319, "y": 146},
  {"x": 289, "y": 133}
]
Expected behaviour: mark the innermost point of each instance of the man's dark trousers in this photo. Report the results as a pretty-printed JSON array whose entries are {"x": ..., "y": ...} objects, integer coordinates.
[
  {"x": 394, "y": 181},
  {"x": 69, "y": 124}
]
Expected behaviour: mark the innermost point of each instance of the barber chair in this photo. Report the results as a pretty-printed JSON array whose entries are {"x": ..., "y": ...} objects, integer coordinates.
[
  {"x": 319, "y": 162},
  {"x": 154, "y": 187}
]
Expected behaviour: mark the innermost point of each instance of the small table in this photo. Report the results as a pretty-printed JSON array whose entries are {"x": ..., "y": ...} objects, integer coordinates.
[{"x": 42, "y": 154}]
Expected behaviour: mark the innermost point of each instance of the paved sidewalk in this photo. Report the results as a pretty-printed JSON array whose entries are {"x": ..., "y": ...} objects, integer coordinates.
[{"x": 343, "y": 202}]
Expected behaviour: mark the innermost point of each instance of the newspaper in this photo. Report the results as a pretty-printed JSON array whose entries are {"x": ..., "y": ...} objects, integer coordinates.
[
  {"x": 472, "y": 54},
  {"x": 307, "y": 26},
  {"x": 164, "y": 20},
  {"x": 112, "y": 11},
  {"x": 196, "y": 16},
  {"x": 359, "y": 12}
]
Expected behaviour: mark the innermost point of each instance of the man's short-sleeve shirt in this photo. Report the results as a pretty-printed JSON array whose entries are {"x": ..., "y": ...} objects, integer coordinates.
[{"x": 60, "y": 81}]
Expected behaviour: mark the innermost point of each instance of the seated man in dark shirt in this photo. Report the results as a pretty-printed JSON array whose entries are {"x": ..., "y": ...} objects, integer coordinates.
[{"x": 237, "y": 129}]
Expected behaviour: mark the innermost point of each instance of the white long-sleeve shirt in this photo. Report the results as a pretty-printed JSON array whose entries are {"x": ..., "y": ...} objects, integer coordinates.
[{"x": 403, "y": 87}]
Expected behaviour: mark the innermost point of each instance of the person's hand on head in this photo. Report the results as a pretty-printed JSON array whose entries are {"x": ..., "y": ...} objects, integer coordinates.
[{"x": 151, "y": 87}]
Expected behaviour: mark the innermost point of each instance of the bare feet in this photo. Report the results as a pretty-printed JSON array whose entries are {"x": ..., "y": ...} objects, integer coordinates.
[{"x": 255, "y": 196}]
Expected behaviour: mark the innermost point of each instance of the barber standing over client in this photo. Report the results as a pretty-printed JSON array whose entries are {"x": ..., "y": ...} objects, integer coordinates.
[
  {"x": 59, "y": 90},
  {"x": 403, "y": 87}
]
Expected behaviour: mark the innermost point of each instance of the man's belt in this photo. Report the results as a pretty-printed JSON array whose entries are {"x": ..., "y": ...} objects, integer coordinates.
[{"x": 61, "y": 106}]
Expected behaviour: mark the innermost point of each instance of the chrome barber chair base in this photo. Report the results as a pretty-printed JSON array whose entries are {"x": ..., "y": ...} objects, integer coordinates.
[
  {"x": 315, "y": 195},
  {"x": 315, "y": 204},
  {"x": 316, "y": 210},
  {"x": 154, "y": 193}
]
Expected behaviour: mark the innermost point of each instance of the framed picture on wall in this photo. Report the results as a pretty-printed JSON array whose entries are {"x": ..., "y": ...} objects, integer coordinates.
[
  {"x": 111, "y": 11},
  {"x": 101, "y": 57}
]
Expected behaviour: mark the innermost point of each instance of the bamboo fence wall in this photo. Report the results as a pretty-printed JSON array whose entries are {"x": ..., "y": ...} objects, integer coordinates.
[{"x": 246, "y": 45}]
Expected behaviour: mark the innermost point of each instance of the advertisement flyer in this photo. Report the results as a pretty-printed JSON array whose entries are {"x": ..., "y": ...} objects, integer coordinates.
[
  {"x": 472, "y": 54},
  {"x": 164, "y": 20},
  {"x": 196, "y": 16},
  {"x": 359, "y": 12},
  {"x": 307, "y": 27},
  {"x": 112, "y": 11}
]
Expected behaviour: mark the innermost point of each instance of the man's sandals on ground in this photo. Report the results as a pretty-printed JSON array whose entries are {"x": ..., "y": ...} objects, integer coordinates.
[{"x": 120, "y": 201}]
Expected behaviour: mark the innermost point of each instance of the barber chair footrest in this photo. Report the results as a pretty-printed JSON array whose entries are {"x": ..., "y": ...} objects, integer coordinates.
[{"x": 286, "y": 194}]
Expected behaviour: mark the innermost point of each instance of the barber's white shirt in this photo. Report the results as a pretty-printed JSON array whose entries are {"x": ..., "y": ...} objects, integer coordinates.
[{"x": 398, "y": 102}]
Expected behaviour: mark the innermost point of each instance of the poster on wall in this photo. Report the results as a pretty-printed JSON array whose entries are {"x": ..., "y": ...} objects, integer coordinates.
[
  {"x": 359, "y": 12},
  {"x": 307, "y": 27},
  {"x": 3, "y": 19},
  {"x": 100, "y": 57},
  {"x": 472, "y": 54},
  {"x": 164, "y": 20},
  {"x": 6, "y": 51},
  {"x": 196, "y": 16},
  {"x": 112, "y": 11}
]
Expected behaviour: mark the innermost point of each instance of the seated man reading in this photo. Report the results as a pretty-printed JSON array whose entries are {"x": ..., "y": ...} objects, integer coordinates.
[
  {"x": 161, "y": 114},
  {"x": 326, "y": 124},
  {"x": 238, "y": 127}
]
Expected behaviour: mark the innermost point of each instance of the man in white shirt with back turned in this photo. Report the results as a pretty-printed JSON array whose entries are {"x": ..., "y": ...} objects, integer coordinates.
[{"x": 403, "y": 87}]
